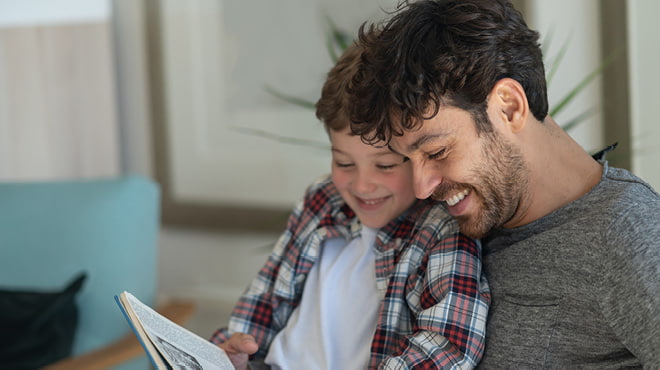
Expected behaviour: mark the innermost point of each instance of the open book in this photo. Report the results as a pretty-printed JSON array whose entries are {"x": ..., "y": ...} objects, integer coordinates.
[{"x": 168, "y": 345}]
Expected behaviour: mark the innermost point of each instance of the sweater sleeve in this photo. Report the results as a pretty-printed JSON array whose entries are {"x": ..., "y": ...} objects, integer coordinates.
[{"x": 630, "y": 291}]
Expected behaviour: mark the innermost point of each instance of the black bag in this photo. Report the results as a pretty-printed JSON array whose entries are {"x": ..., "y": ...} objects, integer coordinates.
[{"x": 37, "y": 328}]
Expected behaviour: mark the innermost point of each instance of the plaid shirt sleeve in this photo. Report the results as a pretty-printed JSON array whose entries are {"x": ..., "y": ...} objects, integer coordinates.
[
  {"x": 254, "y": 311},
  {"x": 447, "y": 298},
  {"x": 263, "y": 310}
]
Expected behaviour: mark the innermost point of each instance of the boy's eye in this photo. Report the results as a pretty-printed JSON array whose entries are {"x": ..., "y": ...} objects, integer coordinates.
[
  {"x": 343, "y": 165},
  {"x": 385, "y": 166}
]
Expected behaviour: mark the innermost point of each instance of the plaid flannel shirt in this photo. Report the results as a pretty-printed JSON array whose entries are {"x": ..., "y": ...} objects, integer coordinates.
[{"x": 434, "y": 298}]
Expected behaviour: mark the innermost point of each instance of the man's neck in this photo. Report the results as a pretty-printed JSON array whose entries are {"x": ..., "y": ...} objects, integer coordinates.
[{"x": 561, "y": 171}]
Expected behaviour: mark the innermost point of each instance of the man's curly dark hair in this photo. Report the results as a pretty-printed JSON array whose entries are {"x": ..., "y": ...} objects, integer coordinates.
[{"x": 442, "y": 52}]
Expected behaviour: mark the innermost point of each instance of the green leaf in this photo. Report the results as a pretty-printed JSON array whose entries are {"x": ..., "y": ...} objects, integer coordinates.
[
  {"x": 583, "y": 83},
  {"x": 336, "y": 40},
  {"x": 555, "y": 62},
  {"x": 577, "y": 119},
  {"x": 291, "y": 99},
  {"x": 547, "y": 40},
  {"x": 283, "y": 139},
  {"x": 330, "y": 46},
  {"x": 342, "y": 40}
]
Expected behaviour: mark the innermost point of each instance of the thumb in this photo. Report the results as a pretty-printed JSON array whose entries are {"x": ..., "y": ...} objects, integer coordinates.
[{"x": 247, "y": 344}]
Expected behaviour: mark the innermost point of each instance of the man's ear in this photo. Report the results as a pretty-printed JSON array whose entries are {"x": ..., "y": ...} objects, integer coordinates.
[{"x": 510, "y": 100}]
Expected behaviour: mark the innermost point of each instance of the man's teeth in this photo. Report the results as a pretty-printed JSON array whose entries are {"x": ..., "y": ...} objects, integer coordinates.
[{"x": 452, "y": 201}]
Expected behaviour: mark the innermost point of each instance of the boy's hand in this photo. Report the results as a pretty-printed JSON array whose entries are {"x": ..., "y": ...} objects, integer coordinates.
[{"x": 238, "y": 348}]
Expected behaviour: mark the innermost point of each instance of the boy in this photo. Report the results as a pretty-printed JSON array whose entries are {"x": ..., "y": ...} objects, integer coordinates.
[{"x": 365, "y": 275}]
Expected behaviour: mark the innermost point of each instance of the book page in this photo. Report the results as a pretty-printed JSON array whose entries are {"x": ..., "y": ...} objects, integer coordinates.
[
  {"x": 182, "y": 348},
  {"x": 155, "y": 357}
]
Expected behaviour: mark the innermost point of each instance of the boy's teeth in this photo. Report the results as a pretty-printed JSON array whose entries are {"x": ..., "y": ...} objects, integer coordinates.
[
  {"x": 372, "y": 201},
  {"x": 452, "y": 201}
]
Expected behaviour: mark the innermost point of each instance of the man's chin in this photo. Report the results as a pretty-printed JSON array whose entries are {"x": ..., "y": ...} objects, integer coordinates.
[
  {"x": 471, "y": 230},
  {"x": 473, "y": 235}
]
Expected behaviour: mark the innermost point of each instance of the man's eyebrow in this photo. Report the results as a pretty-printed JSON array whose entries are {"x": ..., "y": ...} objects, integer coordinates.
[
  {"x": 418, "y": 143},
  {"x": 423, "y": 140}
]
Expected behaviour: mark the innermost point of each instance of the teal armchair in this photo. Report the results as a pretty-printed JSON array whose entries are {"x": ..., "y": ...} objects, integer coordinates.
[{"x": 108, "y": 228}]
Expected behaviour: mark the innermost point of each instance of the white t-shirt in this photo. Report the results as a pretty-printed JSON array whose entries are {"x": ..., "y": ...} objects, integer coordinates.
[{"x": 334, "y": 324}]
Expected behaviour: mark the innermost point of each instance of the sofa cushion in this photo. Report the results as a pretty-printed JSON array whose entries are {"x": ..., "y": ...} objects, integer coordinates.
[{"x": 38, "y": 327}]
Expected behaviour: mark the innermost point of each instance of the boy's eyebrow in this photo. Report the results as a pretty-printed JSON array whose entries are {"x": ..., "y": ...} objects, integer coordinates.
[
  {"x": 389, "y": 146},
  {"x": 384, "y": 153}
]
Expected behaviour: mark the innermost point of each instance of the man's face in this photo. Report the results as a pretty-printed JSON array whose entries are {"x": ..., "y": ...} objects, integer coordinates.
[{"x": 481, "y": 178}]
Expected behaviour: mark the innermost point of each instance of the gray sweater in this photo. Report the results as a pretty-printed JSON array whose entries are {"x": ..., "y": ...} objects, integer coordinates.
[{"x": 579, "y": 288}]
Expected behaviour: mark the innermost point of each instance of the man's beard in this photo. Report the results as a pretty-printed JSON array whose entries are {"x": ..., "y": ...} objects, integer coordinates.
[{"x": 499, "y": 183}]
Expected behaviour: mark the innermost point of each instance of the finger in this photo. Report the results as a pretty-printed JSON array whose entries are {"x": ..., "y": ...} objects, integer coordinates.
[
  {"x": 240, "y": 343},
  {"x": 247, "y": 344}
]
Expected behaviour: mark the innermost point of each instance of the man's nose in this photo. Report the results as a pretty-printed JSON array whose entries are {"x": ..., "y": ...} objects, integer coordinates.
[{"x": 425, "y": 180}]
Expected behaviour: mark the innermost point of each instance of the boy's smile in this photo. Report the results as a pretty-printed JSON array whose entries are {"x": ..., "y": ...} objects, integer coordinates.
[{"x": 375, "y": 182}]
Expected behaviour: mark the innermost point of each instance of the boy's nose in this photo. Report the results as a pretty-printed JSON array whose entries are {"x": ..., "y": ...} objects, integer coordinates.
[{"x": 363, "y": 184}]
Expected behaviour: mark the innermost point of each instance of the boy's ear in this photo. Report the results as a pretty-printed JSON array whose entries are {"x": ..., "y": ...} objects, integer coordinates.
[{"x": 510, "y": 99}]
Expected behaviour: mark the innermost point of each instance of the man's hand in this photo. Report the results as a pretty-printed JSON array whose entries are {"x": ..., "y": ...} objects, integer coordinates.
[{"x": 238, "y": 348}]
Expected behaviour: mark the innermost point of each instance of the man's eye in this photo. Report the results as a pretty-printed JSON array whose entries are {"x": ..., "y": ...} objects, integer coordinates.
[{"x": 437, "y": 154}]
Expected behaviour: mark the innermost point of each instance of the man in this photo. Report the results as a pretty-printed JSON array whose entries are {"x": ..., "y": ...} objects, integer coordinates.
[{"x": 570, "y": 244}]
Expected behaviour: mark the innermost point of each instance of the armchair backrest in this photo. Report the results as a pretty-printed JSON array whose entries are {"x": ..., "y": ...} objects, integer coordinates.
[{"x": 51, "y": 231}]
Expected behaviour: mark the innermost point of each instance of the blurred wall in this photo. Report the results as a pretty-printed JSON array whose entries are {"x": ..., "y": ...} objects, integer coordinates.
[
  {"x": 644, "y": 41},
  {"x": 574, "y": 25},
  {"x": 133, "y": 103},
  {"x": 57, "y": 90}
]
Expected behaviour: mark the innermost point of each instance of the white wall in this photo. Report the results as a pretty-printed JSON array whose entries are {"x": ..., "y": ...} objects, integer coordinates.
[
  {"x": 578, "y": 23},
  {"x": 136, "y": 135},
  {"x": 644, "y": 51},
  {"x": 217, "y": 59}
]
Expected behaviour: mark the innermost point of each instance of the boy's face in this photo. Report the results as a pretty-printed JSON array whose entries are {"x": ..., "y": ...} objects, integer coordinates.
[{"x": 375, "y": 182}]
